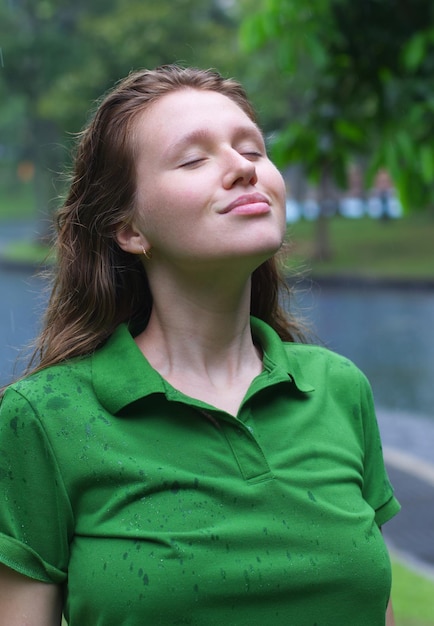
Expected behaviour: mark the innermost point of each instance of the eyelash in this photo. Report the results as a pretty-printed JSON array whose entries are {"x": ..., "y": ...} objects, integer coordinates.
[
  {"x": 256, "y": 154},
  {"x": 253, "y": 153},
  {"x": 192, "y": 162}
]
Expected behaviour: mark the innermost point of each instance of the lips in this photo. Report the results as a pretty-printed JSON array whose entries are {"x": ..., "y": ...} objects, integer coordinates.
[{"x": 247, "y": 203}]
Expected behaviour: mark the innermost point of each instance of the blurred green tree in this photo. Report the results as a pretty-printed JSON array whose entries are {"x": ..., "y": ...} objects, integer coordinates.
[
  {"x": 35, "y": 41},
  {"x": 130, "y": 34},
  {"x": 360, "y": 83},
  {"x": 59, "y": 56}
]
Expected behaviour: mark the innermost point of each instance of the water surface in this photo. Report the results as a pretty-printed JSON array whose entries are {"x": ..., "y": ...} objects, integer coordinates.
[{"x": 388, "y": 333}]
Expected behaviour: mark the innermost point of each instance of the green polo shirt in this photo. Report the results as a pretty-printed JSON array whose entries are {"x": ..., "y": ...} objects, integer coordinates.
[{"x": 151, "y": 507}]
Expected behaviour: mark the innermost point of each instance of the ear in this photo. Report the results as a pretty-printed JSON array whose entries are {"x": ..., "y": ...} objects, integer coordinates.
[{"x": 130, "y": 239}]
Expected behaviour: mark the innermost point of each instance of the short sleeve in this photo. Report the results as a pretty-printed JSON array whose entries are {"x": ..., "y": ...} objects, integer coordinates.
[
  {"x": 36, "y": 519},
  {"x": 377, "y": 489}
]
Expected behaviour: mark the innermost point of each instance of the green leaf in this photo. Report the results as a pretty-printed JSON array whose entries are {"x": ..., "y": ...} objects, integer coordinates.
[
  {"x": 405, "y": 145},
  {"x": 427, "y": 163},
  {"x": 414, "y": 52},
  {"x": 316, "y": 50},
  {"x": 253, "y": 34},
  {"x": 349, "y": 130}
]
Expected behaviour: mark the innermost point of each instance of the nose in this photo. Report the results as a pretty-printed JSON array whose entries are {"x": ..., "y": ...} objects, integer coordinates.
[{"x": 238, "y": 170}]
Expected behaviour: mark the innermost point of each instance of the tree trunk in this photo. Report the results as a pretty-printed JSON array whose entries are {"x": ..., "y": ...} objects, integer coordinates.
[{"x": 323, "y": 251}]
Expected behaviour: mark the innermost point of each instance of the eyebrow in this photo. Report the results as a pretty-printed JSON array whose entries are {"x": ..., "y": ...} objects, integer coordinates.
[{"x": 201, "y": 135}]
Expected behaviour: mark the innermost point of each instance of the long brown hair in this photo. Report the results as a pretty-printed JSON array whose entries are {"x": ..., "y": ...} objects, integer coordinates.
[{"x": 96, "y": 285}]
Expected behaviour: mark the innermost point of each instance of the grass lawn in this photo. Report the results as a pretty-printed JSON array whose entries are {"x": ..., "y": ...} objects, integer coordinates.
[
  {"x": 412, "y": 597},
  {"x": 28, "y": 252},
  {"x": 17, "y": 201},
  {"x": 397, "y": 249}
]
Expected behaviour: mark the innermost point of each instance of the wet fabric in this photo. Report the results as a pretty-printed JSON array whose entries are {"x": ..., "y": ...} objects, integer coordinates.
[{"x": 153, "y": 507}]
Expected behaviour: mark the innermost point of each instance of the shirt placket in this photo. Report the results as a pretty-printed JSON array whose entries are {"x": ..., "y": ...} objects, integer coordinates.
[{"x": 242, "y": 440}]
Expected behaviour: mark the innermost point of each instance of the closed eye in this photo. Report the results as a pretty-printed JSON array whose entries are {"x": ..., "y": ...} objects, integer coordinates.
[
  {"x": 252, "y": 154},
  {"x": 192, "y": 162}
]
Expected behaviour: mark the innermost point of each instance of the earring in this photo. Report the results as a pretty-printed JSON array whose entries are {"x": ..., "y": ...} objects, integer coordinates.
[{"x": 147, "y": 253}]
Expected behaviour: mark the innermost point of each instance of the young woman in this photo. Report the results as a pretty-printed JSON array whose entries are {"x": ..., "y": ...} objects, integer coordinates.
[{"x": 176, "y": 456}]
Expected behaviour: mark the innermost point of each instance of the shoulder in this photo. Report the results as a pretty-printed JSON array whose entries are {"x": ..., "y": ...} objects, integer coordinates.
[
  {"x": 52, "y": 385},
  {"x": 320, "y": 364},
  {"x": 78, "y": 371},
  {"x": 81, "y": 385},
  {"x": 310, "y": 351},
  {"x": 311, "y": 365}
]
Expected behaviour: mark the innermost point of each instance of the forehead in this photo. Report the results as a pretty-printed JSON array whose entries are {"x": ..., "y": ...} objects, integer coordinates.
[{"x": 185, "y": 109}]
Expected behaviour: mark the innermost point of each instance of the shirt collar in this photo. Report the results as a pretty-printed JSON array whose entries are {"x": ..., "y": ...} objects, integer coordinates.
[
  {"x": 278, "y": 358},
  {"x": 121, "y": 374}
]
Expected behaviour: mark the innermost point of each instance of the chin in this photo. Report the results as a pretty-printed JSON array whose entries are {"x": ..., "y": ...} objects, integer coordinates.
[
  {"x": 271, "y": 246},
  {"x": 263, "y": 253}
]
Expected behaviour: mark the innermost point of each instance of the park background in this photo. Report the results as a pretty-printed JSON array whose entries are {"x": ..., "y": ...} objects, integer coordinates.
[{"x": 344, "y": 91}]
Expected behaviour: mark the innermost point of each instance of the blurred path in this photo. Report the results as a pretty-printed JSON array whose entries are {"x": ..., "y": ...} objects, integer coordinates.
[{"x": 408, "y": 445}]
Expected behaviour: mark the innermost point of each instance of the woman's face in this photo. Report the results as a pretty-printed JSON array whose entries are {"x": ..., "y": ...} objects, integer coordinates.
[{"x": 206, "y": 190}]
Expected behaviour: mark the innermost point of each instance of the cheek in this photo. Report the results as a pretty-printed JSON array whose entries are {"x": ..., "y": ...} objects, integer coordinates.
[
  {"x": 179, "y": 207},
  {"x": 280, "y": 191},
  {"x": 151, "y": 211},
  {"x": 163, "y": 215},
  {"x": 273, "y": 179},
  {"x": 280, "y": 185}
]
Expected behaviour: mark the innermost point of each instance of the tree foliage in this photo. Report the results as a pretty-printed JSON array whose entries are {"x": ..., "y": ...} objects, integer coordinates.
[
  {"x": 362, "y": 84},
  {"x": 59, "y": 56},
  {"x": 131, "y": 34}
]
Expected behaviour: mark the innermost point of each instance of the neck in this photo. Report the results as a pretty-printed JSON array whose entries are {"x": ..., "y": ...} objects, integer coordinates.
[
  {"x": 207, "y": 319},
  {"x": 200, "y": 338}
]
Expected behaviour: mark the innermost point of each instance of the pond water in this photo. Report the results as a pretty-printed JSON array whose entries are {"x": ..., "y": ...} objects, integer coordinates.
[
  {"x": 387, "y": 333},
  {"x": 21, "y": 306}
]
